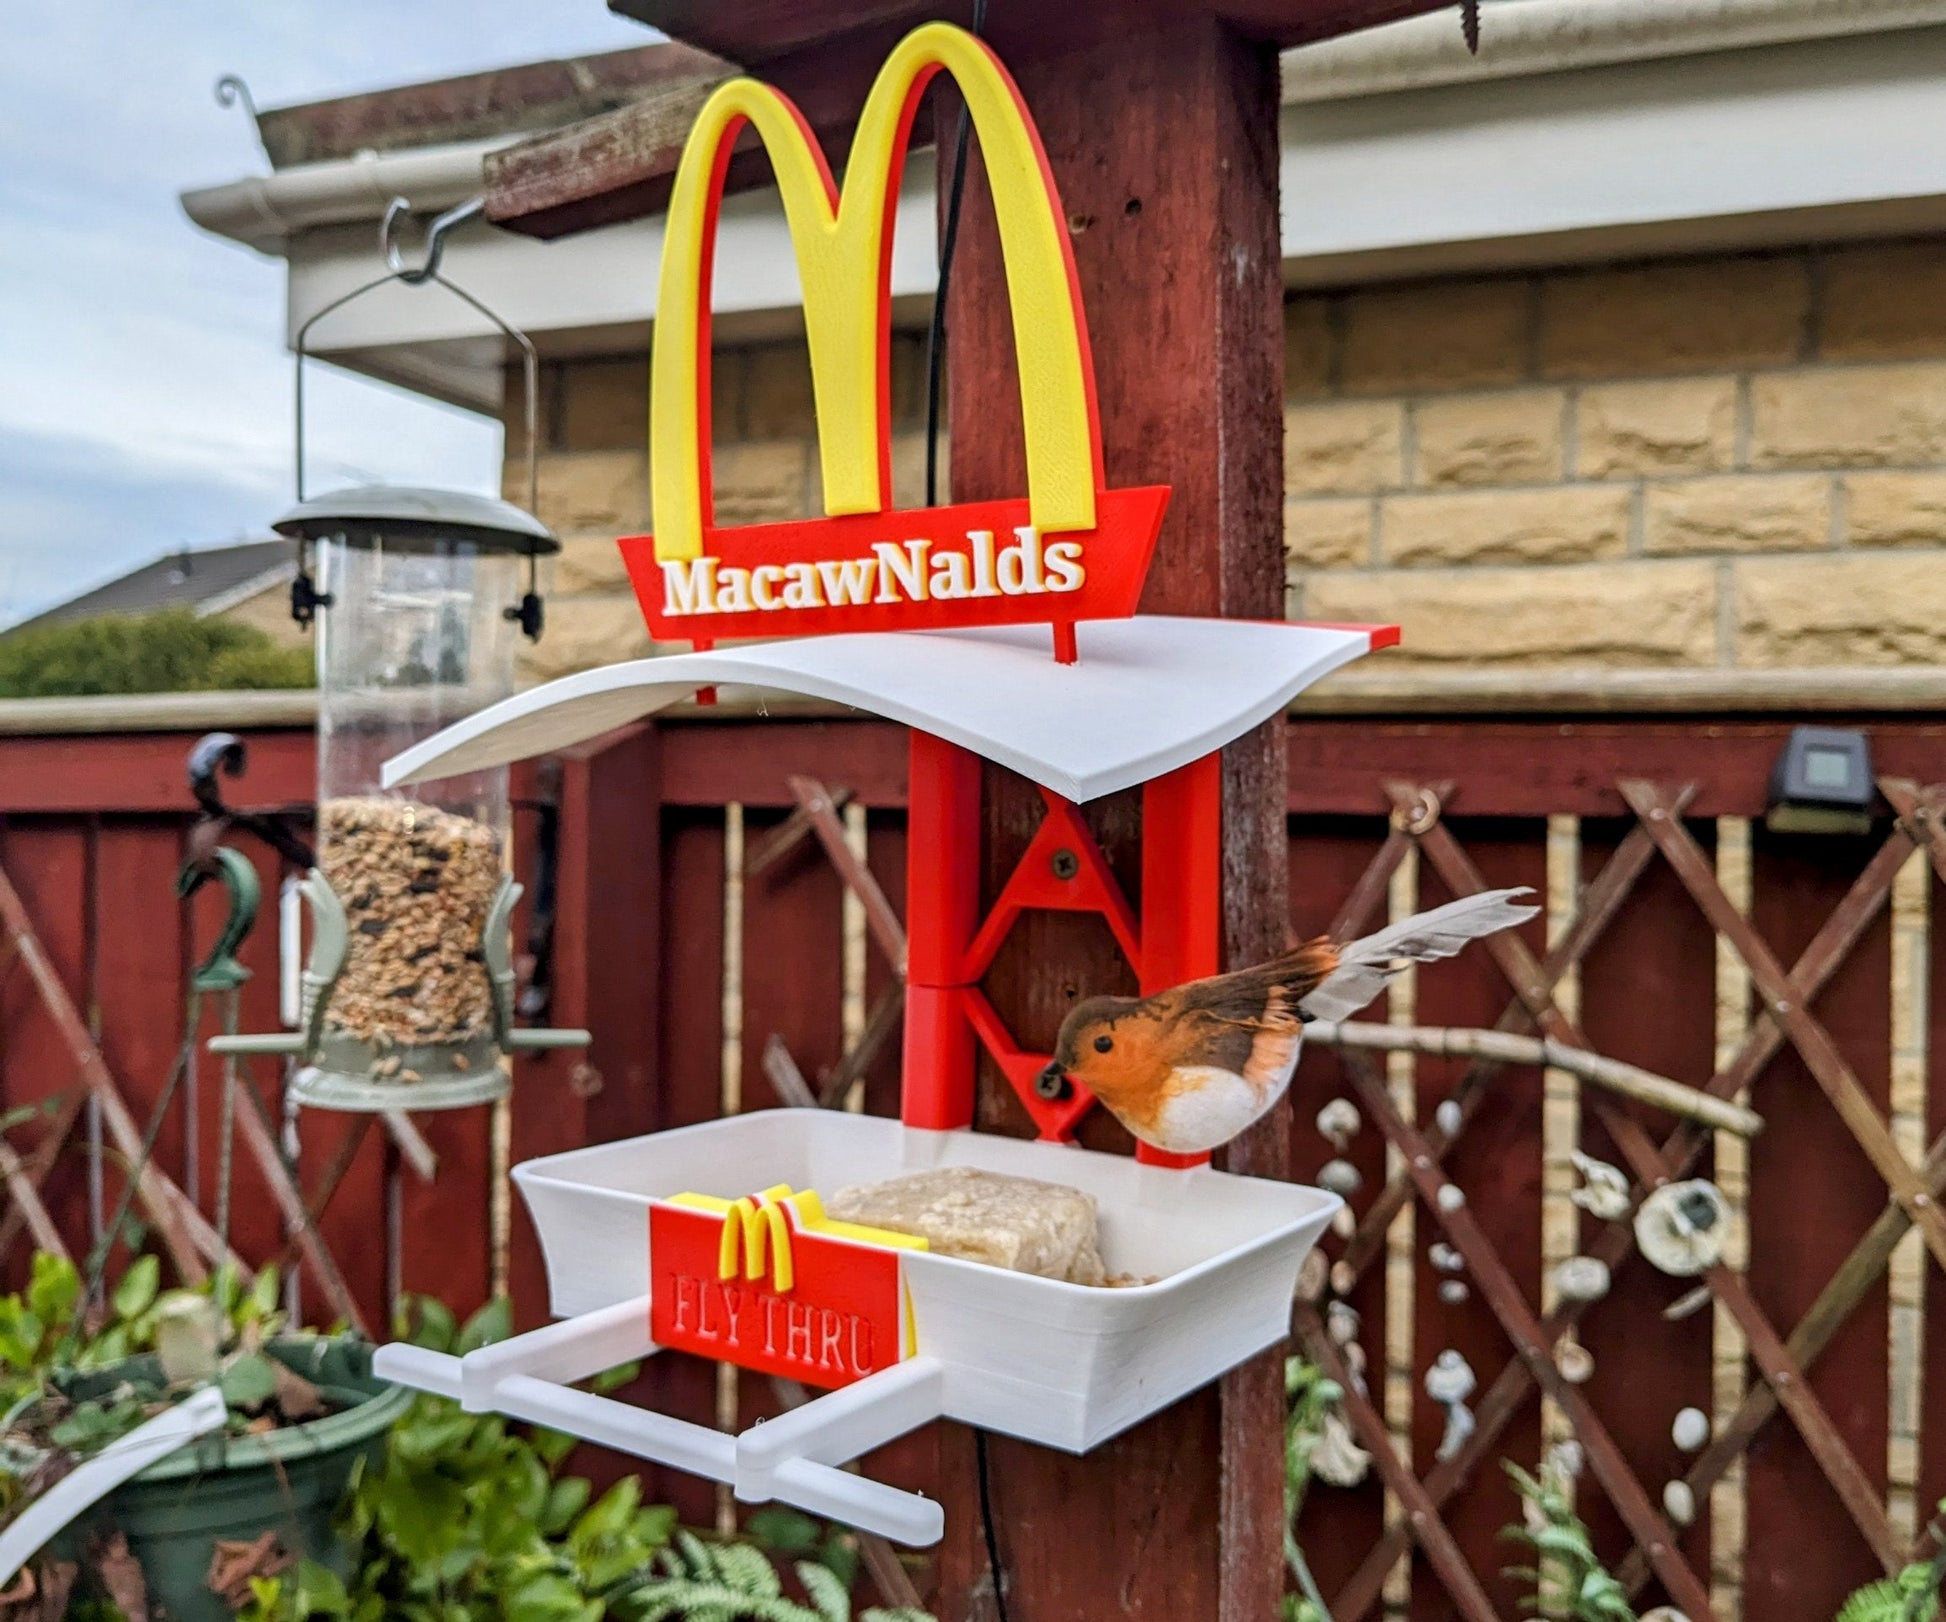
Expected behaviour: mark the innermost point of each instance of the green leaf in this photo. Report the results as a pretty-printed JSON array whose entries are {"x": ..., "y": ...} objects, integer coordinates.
[
  {"x": 832, "y": 1599},
  {"x": 249, "y": 1381},
  {"x": 425, "y": 1517},
  {"x": 54, "y": 1288},
  {"x": 138, "y": 1286},
  {"x": 493, "y": 1322},
  {"x": 226, "y": 1289},
  {"x": 654, "y": 1526},
  {"x": 320, "y": 1591},
  {"x": 436, "y": 1327},
  {"x": 614, "y": 1379},
  {"x": 840, "y": 1553},
  {"x": 565, "y": 1500},
  {"x": 610, "y": 1514},
  {"x": 783, "y": 1530},
  {"x": 266, "y": 1292}
]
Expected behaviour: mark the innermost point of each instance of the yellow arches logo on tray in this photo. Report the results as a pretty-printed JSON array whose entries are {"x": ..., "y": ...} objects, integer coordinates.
[
  {"x": 843, "y": 243},
  {"x": 757, "y": 1233}
]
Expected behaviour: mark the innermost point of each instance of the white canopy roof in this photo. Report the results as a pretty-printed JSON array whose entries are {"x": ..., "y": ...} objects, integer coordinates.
[{"x": 1148, "y": 695}]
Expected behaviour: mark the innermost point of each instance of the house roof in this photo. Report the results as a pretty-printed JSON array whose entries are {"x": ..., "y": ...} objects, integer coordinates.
[
  {"x": 206, "y": 579},
  {"x": 502, "y": 101}
]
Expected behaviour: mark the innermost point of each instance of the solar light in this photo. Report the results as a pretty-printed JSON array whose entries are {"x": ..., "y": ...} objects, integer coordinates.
[{"x": 1822, "y": 783}]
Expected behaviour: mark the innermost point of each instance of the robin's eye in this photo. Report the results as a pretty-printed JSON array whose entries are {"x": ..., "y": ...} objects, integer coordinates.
[{"x": 1104, "y": 1043}]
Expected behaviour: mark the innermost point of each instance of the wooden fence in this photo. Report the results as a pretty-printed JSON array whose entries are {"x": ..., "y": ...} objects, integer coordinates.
[{"x": 1679, "y": 934}]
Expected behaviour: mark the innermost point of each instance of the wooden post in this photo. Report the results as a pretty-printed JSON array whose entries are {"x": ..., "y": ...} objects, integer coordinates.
[{"x": 1162, "y": 135}]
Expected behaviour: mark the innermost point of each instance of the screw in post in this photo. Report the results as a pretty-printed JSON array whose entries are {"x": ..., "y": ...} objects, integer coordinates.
[{"x": 1065, "y": 864}]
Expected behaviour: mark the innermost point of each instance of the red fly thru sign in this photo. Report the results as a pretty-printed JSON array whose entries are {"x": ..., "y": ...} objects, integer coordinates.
[{"x": 742, "y": 1285}]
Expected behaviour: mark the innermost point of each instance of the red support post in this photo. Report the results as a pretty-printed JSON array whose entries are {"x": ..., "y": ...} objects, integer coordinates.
[
  {"x": 1182, "y": 891},
  {"x": 942, "y": 911}
]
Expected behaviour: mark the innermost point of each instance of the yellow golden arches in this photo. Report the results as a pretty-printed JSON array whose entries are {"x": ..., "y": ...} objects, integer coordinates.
[{"x": 842, "y": 241}]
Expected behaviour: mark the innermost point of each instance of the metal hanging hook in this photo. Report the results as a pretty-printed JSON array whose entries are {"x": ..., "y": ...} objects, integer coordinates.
[
  {"x": 396, "y": 271},
  {"x": 306, "y": 599},
  {"x": 230, "y": 91},
  {"x": 435, "y": 237}
]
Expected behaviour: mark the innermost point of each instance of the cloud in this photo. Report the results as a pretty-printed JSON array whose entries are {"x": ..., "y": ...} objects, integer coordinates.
[
  {"x": 79, "y": 511},
  {"x": 144, "y": 385}
]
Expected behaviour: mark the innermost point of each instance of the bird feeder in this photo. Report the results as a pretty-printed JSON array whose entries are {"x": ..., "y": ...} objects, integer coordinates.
[
  {"x": 419, "y": 612},
  {"x": 420, "y": 597},
  {"x": 713, "y": 1238}
]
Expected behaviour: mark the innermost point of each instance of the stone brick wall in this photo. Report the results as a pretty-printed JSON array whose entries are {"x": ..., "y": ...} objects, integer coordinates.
[{"x": 1734, "y": 461}]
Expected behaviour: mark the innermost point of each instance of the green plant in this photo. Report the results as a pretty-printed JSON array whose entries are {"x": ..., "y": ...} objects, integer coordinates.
[
  {"x": 470, "y": 1519},
  {"x": 1910, "y": 1595},
  {"x": 1314, "y": 1426},
  {"x": 51, "y": 1340},
  {"x": 170, "y": 651},
  {"x": 1570, "y": 1580},
  {"x": 707, "y": 1582}
]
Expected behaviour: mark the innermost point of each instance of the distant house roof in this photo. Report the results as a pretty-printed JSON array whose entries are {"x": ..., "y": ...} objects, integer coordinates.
[{"x": 208, "y": 580}]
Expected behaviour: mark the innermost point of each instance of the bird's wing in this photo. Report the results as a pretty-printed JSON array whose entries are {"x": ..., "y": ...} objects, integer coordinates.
[
  {"x": 1365, "y": 965},
  {"x": 1267, "y": 993}
]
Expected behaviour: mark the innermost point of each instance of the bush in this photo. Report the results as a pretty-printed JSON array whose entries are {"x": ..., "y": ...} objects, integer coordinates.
[{"x": 171, "y": 651}]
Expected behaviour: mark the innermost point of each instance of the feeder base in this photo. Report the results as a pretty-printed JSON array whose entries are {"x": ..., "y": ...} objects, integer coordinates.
[{"x": 450, "y": 1075}]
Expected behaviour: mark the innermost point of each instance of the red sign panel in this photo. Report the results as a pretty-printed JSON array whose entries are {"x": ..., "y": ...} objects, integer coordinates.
[
  {"x": 827, "y": 1313},
  {"x": 982, "y": 563}
]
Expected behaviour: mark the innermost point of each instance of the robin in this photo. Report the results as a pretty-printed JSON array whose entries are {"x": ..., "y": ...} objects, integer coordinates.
[{"x": 1191, "y": 1067}]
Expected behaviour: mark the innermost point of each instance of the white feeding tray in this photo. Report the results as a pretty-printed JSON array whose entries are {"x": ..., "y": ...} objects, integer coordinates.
[{"x": 1067, "y": 1365}]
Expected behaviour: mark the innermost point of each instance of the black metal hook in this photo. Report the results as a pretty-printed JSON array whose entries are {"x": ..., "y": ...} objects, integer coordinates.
[{"x": 216, "y": 755}]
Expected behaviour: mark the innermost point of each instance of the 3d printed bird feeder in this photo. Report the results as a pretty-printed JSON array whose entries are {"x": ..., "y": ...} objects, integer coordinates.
[
  {"x": 905, "y": 1335},
  {"x": 711, "y": 1238}
]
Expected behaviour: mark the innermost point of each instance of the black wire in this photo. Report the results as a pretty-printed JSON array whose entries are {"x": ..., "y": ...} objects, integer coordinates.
[
  {"x": 935, "y": 354},
  {"x": 948, "y": 241},
  {"x": 986, "y": 1525}
]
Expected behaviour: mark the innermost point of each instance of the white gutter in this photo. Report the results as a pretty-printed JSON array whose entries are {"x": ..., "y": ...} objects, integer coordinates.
[
  {"x": 1523, "y": 37},
  {"x": 266, "y": 210}
]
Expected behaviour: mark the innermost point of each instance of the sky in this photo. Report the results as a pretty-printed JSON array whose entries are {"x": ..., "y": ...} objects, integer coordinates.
[{"x": 144, "y": 384}]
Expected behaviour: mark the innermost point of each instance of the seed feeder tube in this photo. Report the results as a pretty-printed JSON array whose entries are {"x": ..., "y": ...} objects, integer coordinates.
[{"x": 419, "y": 598}]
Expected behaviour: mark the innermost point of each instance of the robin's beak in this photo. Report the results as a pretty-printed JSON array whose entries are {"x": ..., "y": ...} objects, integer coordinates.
[{"x": 1053, "y": 1084}]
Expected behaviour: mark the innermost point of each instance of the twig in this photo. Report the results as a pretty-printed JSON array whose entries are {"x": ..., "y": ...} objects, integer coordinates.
[{"x": 1631, "y": 1081}]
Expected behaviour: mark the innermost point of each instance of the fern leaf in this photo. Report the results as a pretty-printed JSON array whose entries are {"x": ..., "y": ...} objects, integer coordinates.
[
  {"x": 1876, "y": 1602},
  {"x": 832, "y": 1599},
  {"x": 747, "y": 1571}
]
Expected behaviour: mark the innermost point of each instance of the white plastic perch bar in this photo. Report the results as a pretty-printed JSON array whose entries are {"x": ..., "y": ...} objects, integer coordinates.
[
  {"x": 794, "y": 1458},
  {"x": 84, "y": 1486}
]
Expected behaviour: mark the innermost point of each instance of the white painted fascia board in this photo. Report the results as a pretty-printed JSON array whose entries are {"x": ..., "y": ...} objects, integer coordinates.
[
  {"x": 1520, "y": 38},
  {"x": 1806, "y": 142}
]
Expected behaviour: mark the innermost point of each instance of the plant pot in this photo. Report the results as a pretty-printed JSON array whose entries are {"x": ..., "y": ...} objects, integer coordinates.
[{"x": 238, "y": 1487}]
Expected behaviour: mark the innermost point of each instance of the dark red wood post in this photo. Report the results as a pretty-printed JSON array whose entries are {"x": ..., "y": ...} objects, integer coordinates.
[{"x": 1162, "y": 134}]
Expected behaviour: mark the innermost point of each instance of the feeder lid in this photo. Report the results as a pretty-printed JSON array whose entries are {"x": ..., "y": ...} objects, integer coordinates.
[
  {"x": 1149, "y": 694},
  {"x": 408, "y": 514}
]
